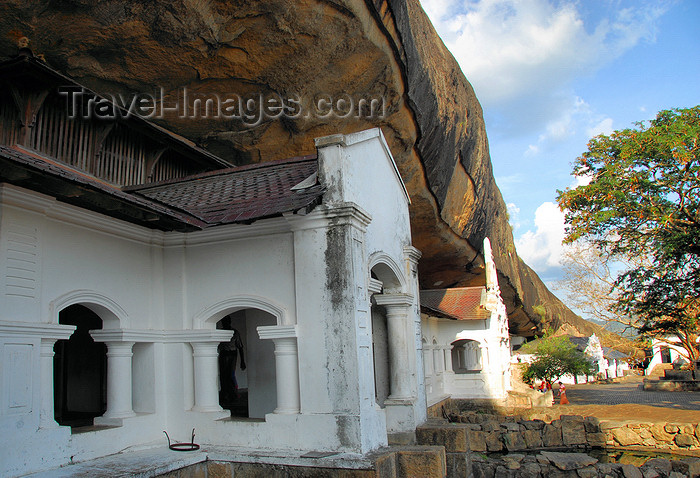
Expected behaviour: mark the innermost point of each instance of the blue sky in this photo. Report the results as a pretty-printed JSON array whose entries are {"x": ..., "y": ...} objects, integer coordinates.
[{"x": 552, "y": 74}]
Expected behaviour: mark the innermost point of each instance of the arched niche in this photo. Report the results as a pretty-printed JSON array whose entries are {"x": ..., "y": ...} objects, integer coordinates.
[
  {"x": 208, "y": 317},
  {"x": 113, "y": 316}
]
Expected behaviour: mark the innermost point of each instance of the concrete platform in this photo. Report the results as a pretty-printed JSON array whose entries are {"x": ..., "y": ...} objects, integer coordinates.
[{"x": 390, "y": 462}]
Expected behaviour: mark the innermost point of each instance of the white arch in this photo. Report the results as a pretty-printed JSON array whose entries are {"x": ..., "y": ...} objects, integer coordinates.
[
  {"x": 397, "y": 274},
  {"x": 209, "y": 316},
  {"x": 112, "y": 314}
]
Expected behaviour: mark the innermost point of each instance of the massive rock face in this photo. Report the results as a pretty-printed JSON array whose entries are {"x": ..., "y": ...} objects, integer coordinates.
[{"x": 302, "y": 52}]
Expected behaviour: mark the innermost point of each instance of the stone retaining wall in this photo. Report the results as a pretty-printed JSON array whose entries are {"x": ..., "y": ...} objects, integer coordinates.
[
  {"x": 578, "y": 465},
  {"x": 520, "y": 445},
  {"x": 490, "y": 433}
]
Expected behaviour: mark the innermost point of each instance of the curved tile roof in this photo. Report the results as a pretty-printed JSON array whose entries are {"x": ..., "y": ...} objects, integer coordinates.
[{"x": 461, "y": 303}]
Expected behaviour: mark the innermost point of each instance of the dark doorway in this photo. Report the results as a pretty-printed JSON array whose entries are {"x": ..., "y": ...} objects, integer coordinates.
[
  {"x": 233, "y": 383},
  {"x": 247, "y": 374},
  {"x": 380, "y": 352},
  {"x": 80, "y": 370},
  {"x": 665, "y": 354}
]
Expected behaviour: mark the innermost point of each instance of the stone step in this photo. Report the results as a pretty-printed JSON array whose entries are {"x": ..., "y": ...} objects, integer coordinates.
[
  {"x": 402, "y": 439},
  {"x": 659, "y": 370}
]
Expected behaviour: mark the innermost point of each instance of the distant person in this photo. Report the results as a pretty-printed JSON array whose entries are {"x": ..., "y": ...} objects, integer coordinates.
[
  {"x": 562, "y": 395},
  {"x": 228, "y": 359}
]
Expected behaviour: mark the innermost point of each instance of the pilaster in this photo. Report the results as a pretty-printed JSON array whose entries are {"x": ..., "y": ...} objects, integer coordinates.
[{"x": 286, "y": 366}]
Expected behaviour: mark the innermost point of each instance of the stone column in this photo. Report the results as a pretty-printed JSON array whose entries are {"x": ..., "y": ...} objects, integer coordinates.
[
  {"x": 119, "y": 381},
  {"x": 46, "y": 416},
  {"x": 397, "y": 313},
  {"x": 286, "y": 366},
  {"x": 206, "y": 369}
]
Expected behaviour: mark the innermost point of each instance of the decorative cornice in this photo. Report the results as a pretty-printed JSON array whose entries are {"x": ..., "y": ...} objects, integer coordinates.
[
  {"x": 412, "y": 254},
  {"x": 405, "y": 300},
  {"x": 162, "y": 336},
  {"x": 231, "y": 232},
  {"x": 277, "y": 331},
  {"x": 375, "y": 286},
  {"x": 52, "y": 209},
  {"x": 43, "y": 330},
  {"x": 347, "y": 213}
]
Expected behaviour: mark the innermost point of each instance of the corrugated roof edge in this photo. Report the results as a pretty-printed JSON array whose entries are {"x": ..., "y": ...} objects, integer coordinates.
[{"x": 159, "y": 130}]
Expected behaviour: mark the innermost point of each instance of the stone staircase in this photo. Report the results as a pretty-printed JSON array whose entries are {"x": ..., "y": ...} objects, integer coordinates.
[
  {"x": 671, "y": 378},
  {"x": 659, "y": 370}
]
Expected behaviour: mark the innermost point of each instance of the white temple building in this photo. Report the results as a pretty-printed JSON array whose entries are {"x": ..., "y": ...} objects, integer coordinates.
[
  {"x": 466, "y": 344},
  {"x": 128, "y": 255}
]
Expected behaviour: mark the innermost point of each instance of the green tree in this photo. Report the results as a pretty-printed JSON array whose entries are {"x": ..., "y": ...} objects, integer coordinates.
[
  {"x": 555, "y": 356},
  {"x": 641, "y": 199}
]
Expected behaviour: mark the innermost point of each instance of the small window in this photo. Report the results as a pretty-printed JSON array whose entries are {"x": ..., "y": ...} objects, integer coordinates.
[{"x": 466, "y": 356}]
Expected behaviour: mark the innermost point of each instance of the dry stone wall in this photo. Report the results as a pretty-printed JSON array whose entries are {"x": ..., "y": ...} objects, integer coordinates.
[
  {"x": 491, "y": 433},
  {"x": 578, "y": 465}
]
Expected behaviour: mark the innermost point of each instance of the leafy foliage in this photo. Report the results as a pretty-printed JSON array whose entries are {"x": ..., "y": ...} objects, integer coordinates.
[
  {"x": 643, "y": 201},
  {"x": 555, "y": 356}
]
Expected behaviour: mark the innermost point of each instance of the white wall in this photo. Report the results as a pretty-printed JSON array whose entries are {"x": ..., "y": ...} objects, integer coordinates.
[
  {"x": 163, "y": 290},
  {"x": 676, "y": 352},
  {"x": 492, "y": 381}
]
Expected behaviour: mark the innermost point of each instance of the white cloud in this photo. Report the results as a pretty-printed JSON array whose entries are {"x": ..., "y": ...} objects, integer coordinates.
[
  {"x": 512, "y": 47},
  {"x": 508, "y": 48},
  {"x": 522, "y": 56},
  {"x": 542, "y": 249},
  {"x": 571, "y": 120},
  {"x": 532, "y": 150},
  {"x": 582, "y": 181},
  {"x": 604, "y": 126}
]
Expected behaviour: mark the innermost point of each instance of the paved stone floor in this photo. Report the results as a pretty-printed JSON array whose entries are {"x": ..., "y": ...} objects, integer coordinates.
[
  {"x": 627, "y": 401},
  {"x": 630, "y": 392}
]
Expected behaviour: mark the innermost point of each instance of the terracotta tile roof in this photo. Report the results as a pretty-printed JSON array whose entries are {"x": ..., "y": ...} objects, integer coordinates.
[
  {"x": 462, "y": 303},
  {"x": 243, "y": 194}
]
